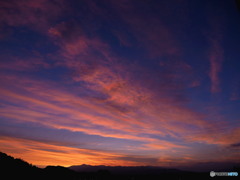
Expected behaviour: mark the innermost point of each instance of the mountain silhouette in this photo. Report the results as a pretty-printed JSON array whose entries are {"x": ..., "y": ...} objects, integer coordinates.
[
  {"x": 125, "y": 169},
  {"x": 12, "y": 168}
]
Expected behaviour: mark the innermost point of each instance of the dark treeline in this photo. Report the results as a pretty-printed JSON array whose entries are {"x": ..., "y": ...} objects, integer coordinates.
[{"x": 12, "y": 168}]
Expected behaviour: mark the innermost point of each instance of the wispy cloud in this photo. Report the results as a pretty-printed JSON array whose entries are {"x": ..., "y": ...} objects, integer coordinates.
[
  {"x": 36, "y": 14},
  {"x": 215, "y": 33},
  {"x": 61, "y": 110},
  {"x": 151, "y": 33},
  {"x": 45, "y": 154},
  {"x": 32, "y": 63},
  {"x": 130, "y": 84},
  {"x": 216, "y": 60}
]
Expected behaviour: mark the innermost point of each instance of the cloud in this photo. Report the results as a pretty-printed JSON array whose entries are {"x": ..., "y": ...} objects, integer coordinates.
[
  {"x": 31, "y": 63},
  {"x": 60, "y": 109},
  {"x": 235, "y": 95},
  {"x": 216, "y": 20},
  {"x": 117, "y": 104},
  {"x": 93, "y": 63},
  {"x": 37, "y": 14},
  {"x": 91, "y": 86},
  {"x": 151, "y": 33},
  {"x": 216, "y": 59},
  {"x": 50, "y": 153},
  {"x": 224, "y": 136},
  {"x": 44, "y": 154},
  {"x": 61, "y": 103},
  {"x": 235, "y": 145},
  {"x": 141, "y": 160}
]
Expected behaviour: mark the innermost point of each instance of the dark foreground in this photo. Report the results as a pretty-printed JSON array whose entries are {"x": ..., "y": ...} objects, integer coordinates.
[{"x": 12, "y": 168}]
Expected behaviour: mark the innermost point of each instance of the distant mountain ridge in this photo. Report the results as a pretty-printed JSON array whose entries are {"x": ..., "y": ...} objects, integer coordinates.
[
  {"x": 197, "y": 167},
  {"x": 124, "y": 169}
]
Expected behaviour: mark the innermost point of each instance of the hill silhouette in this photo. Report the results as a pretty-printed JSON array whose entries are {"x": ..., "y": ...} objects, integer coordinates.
[{"x": 12, "y": 168}]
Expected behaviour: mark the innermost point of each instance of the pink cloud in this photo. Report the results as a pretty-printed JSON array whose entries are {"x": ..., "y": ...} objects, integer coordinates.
[
  {"x": 157, "y": 117},
  {"x": 222, "y": 137},
  {"x": 216, "y": 59},
  {"x": 30, "y": 63},
  {"x": 129, "y": 108},
  {"x": 121, "y": 90},
  {"x": 119, "y": 104},
  {"x": 215, "y": 34},
  {"x": 49, "y": 104},
  {"x": 81, "y": 55}
]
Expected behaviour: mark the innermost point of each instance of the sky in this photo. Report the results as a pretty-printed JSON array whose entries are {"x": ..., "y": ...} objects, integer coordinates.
[{"x": 127, "y": 82}]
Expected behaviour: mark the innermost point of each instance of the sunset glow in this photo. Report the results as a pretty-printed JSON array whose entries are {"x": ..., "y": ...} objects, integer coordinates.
[{"x": 125, "y": 82}]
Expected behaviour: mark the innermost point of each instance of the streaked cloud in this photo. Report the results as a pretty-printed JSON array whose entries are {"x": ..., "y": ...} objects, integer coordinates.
[
  {"x": 117, "y": 74},
  {"x": 36, "y": 14},
  {"x": 216, "y": 59}
]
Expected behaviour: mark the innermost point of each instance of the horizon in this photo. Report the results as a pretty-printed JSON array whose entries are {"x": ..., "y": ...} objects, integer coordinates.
[
  {"x": 120, "y": 83},
  {"x": 200, "y": 168}
]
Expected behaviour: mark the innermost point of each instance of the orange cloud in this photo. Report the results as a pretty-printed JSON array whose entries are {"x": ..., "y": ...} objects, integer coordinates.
[
  {"x": 62, "y": 110},
  {"x": 39, "y": 153},
  {"x": 223, "y": 137},
  {"x": 43, "y": 154},
  {"x": 97, "y": 90},
  {"x": 78, "y": 115},
  {"x": 125, "y": 109}
]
